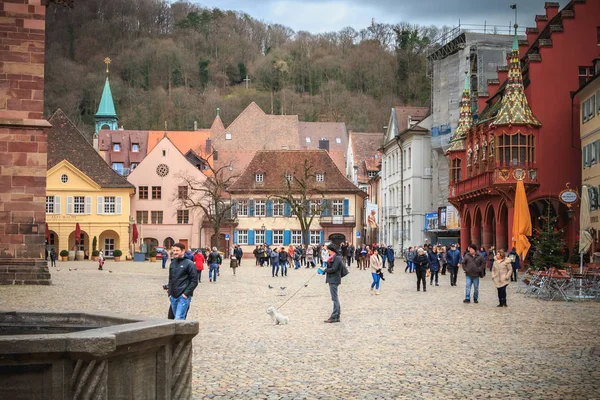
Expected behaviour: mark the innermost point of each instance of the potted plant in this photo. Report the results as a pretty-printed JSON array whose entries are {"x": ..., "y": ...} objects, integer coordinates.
[
  {"x": 152, "y": 255},
  {"x": 117, "y": 255},
  {"x": 95, "y": 252},
  {"x": 64, "y": 254}
]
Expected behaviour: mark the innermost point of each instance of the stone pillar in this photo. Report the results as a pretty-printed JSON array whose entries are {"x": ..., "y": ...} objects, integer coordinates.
[
  {"x": 487, "y": 235},
  {"x": 23, "y": 146},
  {"x": 501, "y": 238},
  {"x": 465, "y": 236},
  {"x": 476, "y": 235}
]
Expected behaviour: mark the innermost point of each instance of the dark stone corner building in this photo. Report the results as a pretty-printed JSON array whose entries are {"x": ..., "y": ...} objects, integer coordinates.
[{"x": 23, "y": 142}]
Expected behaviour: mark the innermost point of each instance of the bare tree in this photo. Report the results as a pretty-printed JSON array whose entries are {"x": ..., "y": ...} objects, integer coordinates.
[
  {"x": 210, "y": 195},
  {"x": 304, "y": 197}
]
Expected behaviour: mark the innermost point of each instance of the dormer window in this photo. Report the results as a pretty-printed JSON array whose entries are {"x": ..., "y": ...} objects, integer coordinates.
[
  {"x": 260, "y": 177},
  {"x": 320, "y": 177},
  {"x": 307, "y": 139},
  {"x": 135, "y": 147},
  {"x": 338, "y": 140},
  {"x": 289, "y": 177},
  {"x": 372, "y": 174},
  {"x": 227, "y": 136},
  {"x": 116, "y": 146}
]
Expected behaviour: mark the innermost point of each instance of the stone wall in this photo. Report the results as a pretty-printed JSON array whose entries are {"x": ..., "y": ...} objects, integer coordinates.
[{"x": 23, "y": 144}]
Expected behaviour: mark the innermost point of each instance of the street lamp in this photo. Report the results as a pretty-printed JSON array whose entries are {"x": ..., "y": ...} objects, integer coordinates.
[{"x": 570, "y": 213}]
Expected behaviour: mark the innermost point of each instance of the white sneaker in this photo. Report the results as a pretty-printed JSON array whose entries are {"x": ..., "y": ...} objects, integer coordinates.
[{"x": 377, "y": 293}]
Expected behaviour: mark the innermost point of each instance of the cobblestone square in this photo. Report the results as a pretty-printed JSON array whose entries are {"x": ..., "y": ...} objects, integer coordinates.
[{"x": 401, "y": 344}]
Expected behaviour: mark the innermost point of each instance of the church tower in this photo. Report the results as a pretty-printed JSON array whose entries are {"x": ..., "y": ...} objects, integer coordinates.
[{"x": 106, "y": 117}]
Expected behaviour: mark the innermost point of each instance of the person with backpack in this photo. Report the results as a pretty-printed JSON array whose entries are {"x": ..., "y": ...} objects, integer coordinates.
[
  {"x": 515, "y": 262},
  {"x": 214, "y": 262},
  {"x": 238, "y": 253},
  {"x": 334, "y": 272}
]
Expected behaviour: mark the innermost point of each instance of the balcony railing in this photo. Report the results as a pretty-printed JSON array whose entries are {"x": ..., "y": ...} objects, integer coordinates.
[
  {"x": 490, "y": 179},
  {"x": 338, "y": 220}
]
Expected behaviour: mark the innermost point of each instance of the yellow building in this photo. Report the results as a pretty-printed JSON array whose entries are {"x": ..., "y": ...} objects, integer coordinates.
[
  {"x": 82, "y": 189},
  {"x": 588, "y": 97}
]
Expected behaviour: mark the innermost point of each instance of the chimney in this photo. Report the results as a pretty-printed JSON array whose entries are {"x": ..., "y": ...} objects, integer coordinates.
[
  {"x": 208, "y": 146},
  {"x": 215, "y": 155},
  {"x": 95, "y": 142},
  {"x": 324, "y": 144},
  {"x": 195, "y": 125}
]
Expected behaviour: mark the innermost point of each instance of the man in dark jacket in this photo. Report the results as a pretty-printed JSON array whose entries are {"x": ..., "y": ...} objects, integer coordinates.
[
  {"x": 183, "y": 279},
  {"x": 214, "y": 261},
  {"x": 238, "y": 253},
  {"x": 453, "y": 258},
  {"x": 350, "y": 254},
  {"x": 390, "y": 257},
  {"x": 473, "y": 265},
  {"x": 334, "y": 279},
  {"x": 283, "y": 261},
  {"x": 421, "y": 262}
]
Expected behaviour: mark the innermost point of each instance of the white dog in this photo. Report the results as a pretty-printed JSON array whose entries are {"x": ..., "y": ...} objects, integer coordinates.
[{"x": 277, "y": 317}]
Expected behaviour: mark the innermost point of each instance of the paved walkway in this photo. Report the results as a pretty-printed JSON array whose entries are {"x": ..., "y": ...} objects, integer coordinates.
[{"x": 401, "y": 344}]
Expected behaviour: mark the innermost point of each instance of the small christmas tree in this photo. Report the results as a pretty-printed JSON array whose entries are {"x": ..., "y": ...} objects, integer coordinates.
[{"x": 547, "y": 243}]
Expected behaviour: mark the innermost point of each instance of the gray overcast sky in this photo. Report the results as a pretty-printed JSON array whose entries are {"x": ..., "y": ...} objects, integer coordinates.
[{"x": 331, "y": 15}]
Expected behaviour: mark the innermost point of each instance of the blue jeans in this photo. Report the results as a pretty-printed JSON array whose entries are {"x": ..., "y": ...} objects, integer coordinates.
[
  {"x": 376, "y": 280},
  {"x": 275, "y": 269},
  {"x": 164, "y": 260},
  {"x": 213, "y": 271},
  {"x": 472, "y": 280},
  {"x": 180, "y": 305},
  {"x": 284, "y": 268}
]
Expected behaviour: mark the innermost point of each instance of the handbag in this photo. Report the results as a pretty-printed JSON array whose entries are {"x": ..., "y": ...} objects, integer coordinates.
[
  {"x": 344, "y": 270},
  {"x": 428, "y": 273}
]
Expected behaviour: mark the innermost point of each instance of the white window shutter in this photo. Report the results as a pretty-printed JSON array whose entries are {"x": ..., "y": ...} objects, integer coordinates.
[
  {"x": 69, "y": 204},
  {"x": 118, "y": 205},
  {"x": 56, "y": 204},
  {"x": 88, "y": 205},
  {"x": 99, "y": 205}
]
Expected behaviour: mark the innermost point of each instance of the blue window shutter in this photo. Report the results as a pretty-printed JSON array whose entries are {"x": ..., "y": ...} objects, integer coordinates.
[
  {"x": 287, "y": 209},
  {"x": 322, "y": 237},
  {"x": 346, "y": 207},
  {"x": 269, "y": 208},
  {"x": 250, "y": 236},
  {"x": 269, "y": 237},
  {"x": 287, "y": 237},
  {"x": 251, "y": 208},
  {"x": 325, "y": 205},
  {"x": 235, "y": 236}
]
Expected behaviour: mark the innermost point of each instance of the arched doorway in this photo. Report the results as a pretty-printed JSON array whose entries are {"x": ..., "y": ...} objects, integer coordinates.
[
  {"x": 168, "y": 243},
  {"x": 109, "y": 242},
  {"x": 83, "y": 243},
  {"x": 149, "y": 244},
  {"x": 53, "y": 242},
  {"x": 337, "y": 238},
  {"x": 221, "y": 244}
]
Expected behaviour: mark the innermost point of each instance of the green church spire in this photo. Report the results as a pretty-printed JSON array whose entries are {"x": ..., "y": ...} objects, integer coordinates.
[{"x": 106, "y": 117}]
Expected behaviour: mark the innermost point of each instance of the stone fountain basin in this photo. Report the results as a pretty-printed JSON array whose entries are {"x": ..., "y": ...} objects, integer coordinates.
[{"x": 66, "y": 355}]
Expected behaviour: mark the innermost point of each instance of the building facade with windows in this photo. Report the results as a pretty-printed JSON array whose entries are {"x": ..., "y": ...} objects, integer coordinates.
[
  {"x": 405, "y": 178},
  {"x": 82, "y": 189},
  {"x": 525, "y": 129},
  {"x": 588, "y": 98},
  {"x": 162, "y": 184},
  {"x": 336, "y": 203}
]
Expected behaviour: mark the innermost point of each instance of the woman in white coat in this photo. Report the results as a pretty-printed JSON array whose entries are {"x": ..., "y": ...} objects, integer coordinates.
[{"x": 376, "y": 267}]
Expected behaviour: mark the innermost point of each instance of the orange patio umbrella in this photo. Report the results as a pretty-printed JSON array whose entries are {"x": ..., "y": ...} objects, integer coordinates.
[{"x": 521, "y": 222}]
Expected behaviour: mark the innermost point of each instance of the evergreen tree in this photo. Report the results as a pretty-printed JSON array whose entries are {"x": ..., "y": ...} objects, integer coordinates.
[{"x": 547, "y": 243}]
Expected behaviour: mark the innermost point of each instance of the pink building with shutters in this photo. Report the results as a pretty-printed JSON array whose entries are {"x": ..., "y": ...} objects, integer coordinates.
[{"x": 156, "y": 206}]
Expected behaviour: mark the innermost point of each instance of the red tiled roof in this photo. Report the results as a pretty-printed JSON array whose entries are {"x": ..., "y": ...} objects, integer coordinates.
[
  {"x": 365, "y": 147},
  {"x": 415, "y": 113},
  {"x": 65, "y": 142},
  {"x": 275, "y": 164}
]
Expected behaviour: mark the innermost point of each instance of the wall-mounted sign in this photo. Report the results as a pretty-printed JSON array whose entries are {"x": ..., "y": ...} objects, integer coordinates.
[{"x": 568, "y": 196}]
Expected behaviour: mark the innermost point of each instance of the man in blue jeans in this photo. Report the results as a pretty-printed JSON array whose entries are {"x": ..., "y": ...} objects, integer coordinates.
[
  {"x": 183, "y": 279},
  {"x": 473, "y": 265},
  {"x": 214, "y": 262}
]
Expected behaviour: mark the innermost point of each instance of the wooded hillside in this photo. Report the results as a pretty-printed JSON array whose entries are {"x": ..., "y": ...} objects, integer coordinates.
[{"x": 178, "y": 62}]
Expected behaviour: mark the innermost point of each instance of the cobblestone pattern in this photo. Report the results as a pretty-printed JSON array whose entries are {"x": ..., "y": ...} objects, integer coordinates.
[{"x": 401, "y": 344}]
